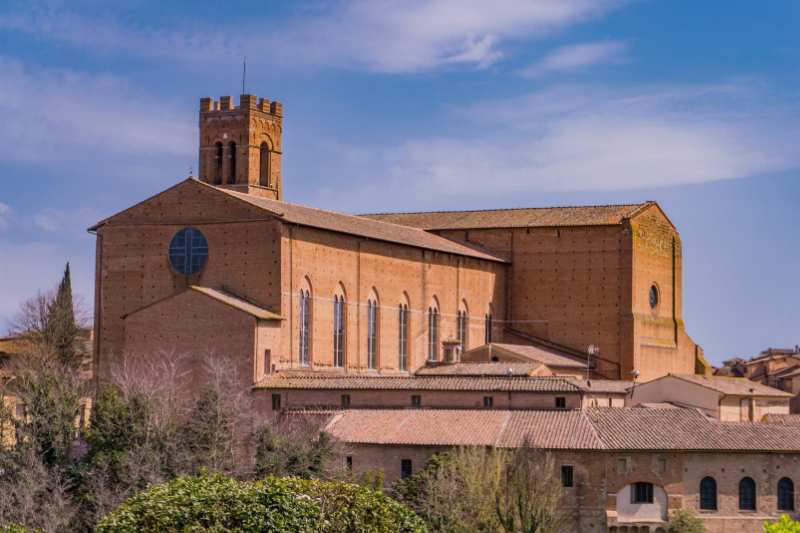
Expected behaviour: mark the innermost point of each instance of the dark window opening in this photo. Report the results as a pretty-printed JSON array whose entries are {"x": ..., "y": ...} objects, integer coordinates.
[
  {"x": 232, "y": 175},
  {"x": 488, "y": 401},
  {"x": 785, "y": 494},
  {"x": 276, "y": 402},
  {"x": 348, "y": 463},
  {"x": 263, "y": 171},
  {"x": 345, "y": 400},
  {"x": 488, "y": 329},
  {"x": 338, "y": 331},
  {"x": 372, "y": 334},
  {"x": 403, "y": 338},
  {"x": 405, "y": 468},
  {"x": 642, "y": 492},
  {"x": 567, "y": 476},
  {"x": 433, "y": 334},
  {"x": 561, "y": 402},
  {"x": 218, "y": 156},
  {"x": 268, "y": 361},
  {"x": 708, "y": 494},
  {"x": 747, "y": 494},
  {"x": 416, "y": 400},
  {"x": 653, "y": 295}
]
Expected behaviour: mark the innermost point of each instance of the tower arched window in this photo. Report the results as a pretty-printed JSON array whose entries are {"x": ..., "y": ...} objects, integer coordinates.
[
  {"x": 338, "y": 330},
  {"x": 747, "y": 494},
  {"x": 218, "y": 157},
  {"x": 785, "y": 494},
  {"x": 402, "y": 335},
  {"x": 304, "y": 318},
  {"x": 263, "y": 170},
  {"x": 232, "y": 150},
  {"x": 372, "y": 331},
  {"x": 708, "y": 494},
  {"x": 433, "y": 333}
]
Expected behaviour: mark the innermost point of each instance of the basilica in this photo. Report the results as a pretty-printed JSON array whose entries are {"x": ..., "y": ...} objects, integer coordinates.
[{"x": 419, "y": 331}]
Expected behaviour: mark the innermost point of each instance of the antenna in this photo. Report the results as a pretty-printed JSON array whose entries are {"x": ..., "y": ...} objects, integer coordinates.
[{"x": 244, "y": 72}]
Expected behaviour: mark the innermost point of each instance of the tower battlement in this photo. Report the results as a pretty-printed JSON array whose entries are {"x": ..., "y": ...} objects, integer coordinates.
[{"x": 246, "y": 101}]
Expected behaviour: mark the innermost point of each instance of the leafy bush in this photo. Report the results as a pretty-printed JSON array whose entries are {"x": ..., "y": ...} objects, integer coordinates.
[
  {"x": 784, "y": 525},
  {"x": 16, "y": 528},
  {"x": 347, "y": 507},
  {"x": 685, "y": 522},
  {"x": 213, "y": 502}
]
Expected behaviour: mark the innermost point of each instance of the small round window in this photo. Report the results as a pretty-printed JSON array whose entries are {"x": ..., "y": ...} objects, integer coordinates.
[
  {"x": 653, "y": 296},
  {"x": 188, "y": 251}
]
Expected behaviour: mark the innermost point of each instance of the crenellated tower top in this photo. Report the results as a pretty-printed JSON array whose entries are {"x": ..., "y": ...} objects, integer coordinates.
[{"x": 240, "y": 146}]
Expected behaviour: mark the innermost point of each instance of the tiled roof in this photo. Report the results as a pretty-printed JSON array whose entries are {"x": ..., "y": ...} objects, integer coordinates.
[
  {"x": 594, "y": 429},
  {"x": 236, "y": 302},
  {"x": 548, "y": 356},
  {"x": 785, "y": 420},
  {"x": 362, "y": 227},
  {"x": 480, "y": 369},
  {"x": 320, "y": 381},
  {"x": 594, "y": 215},
  {"x": 732, "y": 385},
  {"x": 613, "y": 386},
  {"x": 460, "y": 427}
]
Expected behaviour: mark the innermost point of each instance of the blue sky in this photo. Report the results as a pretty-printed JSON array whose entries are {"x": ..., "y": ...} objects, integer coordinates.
[{"x": 409, "y": 105}]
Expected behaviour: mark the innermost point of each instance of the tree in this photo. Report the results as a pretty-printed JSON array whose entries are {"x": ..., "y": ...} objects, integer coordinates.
[
  {"x": 295, "y": 447},
  {"x": 682, "y": 521},
  {"x": 61, "y": 330},
  {"x": 784, "y": 525}
]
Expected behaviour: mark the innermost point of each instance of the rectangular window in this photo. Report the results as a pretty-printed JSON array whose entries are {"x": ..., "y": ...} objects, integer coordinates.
[
  {"x": 304, "y": 344},
  {"x": 19, "y": 411},
  {"x": 462, "y": 330},
  {"x": 642, "y": 492},
  {"x": 622, "y": 466},
  {"x": 561, "y": 402},
  {"x": 345, "y": 400},
  {"x": 338, "y": 331},
  {"x": 488, "y": 401},
  {"x": 405, "y": 468},
  {"x": 567, "y": 476},
  {"x": 267, "y": 361},
  {"x": 416, "y": 400},
  {"x": 488, "y": 328},
  {"x": 661, "y": 465},
  {"x": 348, "y": 463},
  {"x": 433, "y": 334},
  {"x": 403, "y": 338},
  {"x": 276, "y": 402}
]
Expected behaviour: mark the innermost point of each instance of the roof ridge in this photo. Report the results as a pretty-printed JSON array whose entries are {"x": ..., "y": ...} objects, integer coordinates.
[
  {"x": 442, "y": 211},
  {"x": 584, "y": 413}
]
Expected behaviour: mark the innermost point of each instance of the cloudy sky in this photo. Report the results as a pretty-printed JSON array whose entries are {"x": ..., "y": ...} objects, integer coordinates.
[{"x": 412, "y": 105}]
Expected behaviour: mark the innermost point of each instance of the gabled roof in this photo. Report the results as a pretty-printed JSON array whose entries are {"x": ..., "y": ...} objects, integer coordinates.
[
  {"x": 589, "y": 215},
  {"x": 480, "y": 369},
  {"x": 598, "y": 429},
  {"x": 223, "y": 297},
  {"x": 731, "y": 385},
  {"x": 341, "y": 381},
  {"x": 341, "y": 223},
  {"x": 546, "y": 355}
]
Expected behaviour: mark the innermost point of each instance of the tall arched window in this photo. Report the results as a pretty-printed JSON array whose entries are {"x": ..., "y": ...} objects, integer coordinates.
[
  {"x": 338, "y": 330},
  {"x": 785, "y": 494},
  {"x": 487, "y": 334},
  {"x": 305, "y": 327},
  {"x": 402, "y": 336},
  {"x": 463, "y": 327},
  {"x": 433, "y": 333},
  {"x": 747, "y": 494},
  {"x": 263, "y": 171},
  {"x": 218, "y": 156},
  {"x": 708, "y": 494},
  {"x": 372, "y": 331},
  {"x": 232, "y": 150}
]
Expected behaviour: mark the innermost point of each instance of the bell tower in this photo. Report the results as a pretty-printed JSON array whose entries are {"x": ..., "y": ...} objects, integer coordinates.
[{"x": 240, "y": 146}]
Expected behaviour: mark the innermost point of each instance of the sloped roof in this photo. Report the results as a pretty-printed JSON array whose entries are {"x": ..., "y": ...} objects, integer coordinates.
[
  {"x": 591, "y": 429},
  {"x": 606, "y": 386},
  {"x": 480, "y": 369},
  {"x": 589, "y": 215},
  {"x": 221, "y": 296},
  {"x": 782, "y": 419},
  {"x": 548, "y": 356},
  {"x": 732, "y": 385},
  {"x": 333, "y": 381},
  {"x": 361, "y": 226}
]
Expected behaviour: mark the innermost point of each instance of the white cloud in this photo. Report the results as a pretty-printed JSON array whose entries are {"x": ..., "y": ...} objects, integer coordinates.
[
  {"x": 5, "y": 216},
  {"x": 66, "y": 223},
  {"x": 66, "y": 115},
  {"x": 577, "y": 57},
  {"x": 579, "y": 138},
  {"x": 379, "y": 35}
]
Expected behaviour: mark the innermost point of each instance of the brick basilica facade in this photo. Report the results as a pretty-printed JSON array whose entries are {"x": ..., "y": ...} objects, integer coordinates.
[{"x": 532, "y": 310}]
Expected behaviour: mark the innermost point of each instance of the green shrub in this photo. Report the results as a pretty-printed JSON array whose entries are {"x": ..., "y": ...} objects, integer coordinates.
[
  {"x": 784, "y": 525},
  {"x": 16, "y": 528},
  {"x": 685, "y": 522},
  {"x": 347, "y": 507},
  {"x": 213, "y": 502}
]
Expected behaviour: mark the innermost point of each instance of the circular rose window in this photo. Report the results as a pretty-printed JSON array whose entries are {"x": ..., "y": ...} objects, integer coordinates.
[{"x": 188, "y": 251}]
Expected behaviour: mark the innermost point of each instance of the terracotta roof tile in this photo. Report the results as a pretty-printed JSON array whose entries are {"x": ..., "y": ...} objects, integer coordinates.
[
  {"x": 237, "y": 302},
  {"x": 604, "y": 385},
  {"x": 595, "y": 215},
  {"x": 319, "y": 381},
  {"x": 361, "y": 226},
  {"x": 785, "y": 420},
  {"x": 480, "y": 369},
  {"x": 732, "y": 385},
  {"x": 548, "y": 356}
]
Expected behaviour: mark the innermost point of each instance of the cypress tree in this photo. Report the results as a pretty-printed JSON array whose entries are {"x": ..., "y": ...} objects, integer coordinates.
[{"x": 61, "y": 332}]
